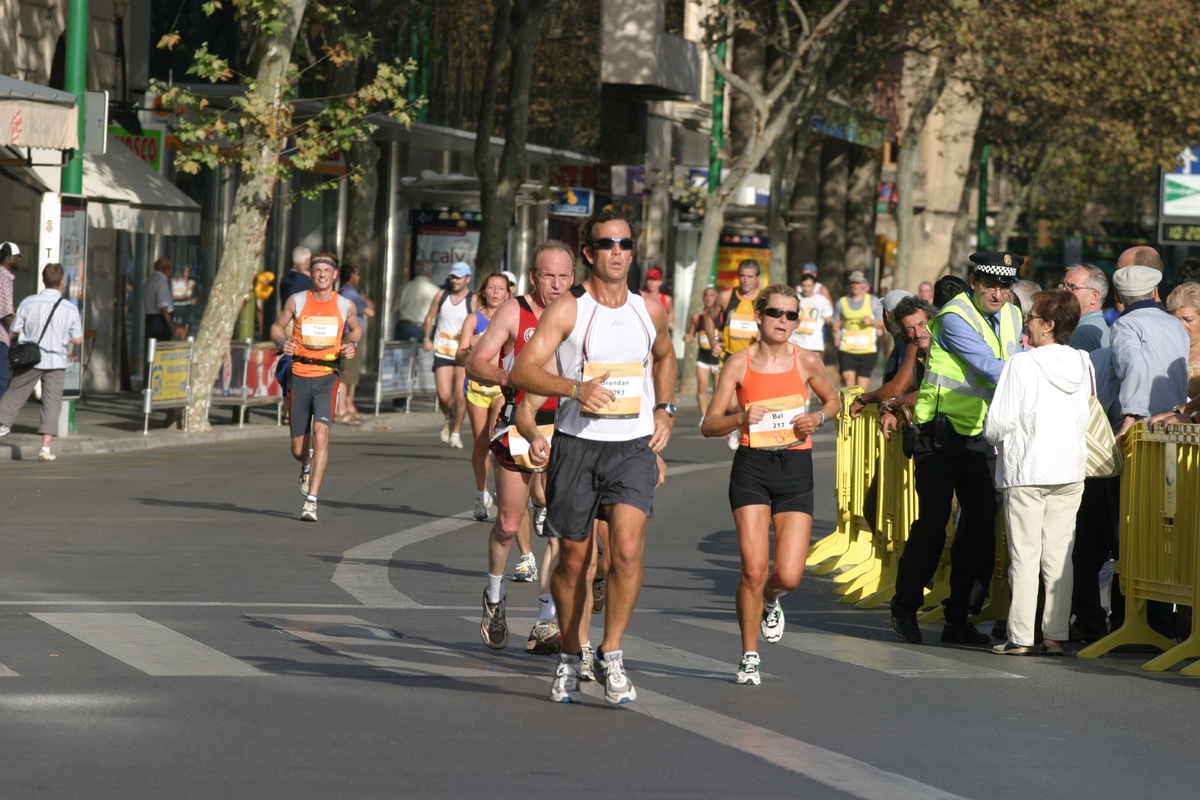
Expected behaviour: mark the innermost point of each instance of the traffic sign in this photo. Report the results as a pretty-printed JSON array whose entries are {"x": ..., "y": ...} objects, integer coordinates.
[{"x": 1180, "y": 195}]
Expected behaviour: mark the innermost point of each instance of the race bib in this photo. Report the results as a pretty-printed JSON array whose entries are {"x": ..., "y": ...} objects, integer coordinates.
[
  {"x": 518, "y": 446},
  {"x": 774, "y": 431},
  {"x": 702, "y": 340},
  {"x": 481, "y": 389},
  {"x": 318, "y": 332},
  {"x": 625, "y": 382},
  {"x": 742, "y": 327},
  {"x": 446, "y": 345},
  {"x": 858, "y": 340}
]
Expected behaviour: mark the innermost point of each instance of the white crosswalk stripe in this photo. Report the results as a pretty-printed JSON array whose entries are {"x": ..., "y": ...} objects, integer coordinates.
[{"x": 148, "y": 646}]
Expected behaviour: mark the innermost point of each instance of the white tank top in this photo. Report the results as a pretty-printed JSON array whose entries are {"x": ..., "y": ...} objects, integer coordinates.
[
  {"x": 616, "y": 340},
  {"x": 448, "y": 325}
]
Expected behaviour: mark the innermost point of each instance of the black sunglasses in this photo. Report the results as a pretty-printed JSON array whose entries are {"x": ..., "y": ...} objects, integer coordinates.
[
  {"x": 779, "y": 312},
  {"x": 608, "y": 243}
]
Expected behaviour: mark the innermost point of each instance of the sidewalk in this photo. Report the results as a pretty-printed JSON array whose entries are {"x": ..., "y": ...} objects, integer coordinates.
[{"x": 113, "y": 423}]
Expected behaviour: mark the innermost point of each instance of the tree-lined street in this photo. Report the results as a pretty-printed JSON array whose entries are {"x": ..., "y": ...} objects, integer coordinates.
[{"x": 169, "y": 628}]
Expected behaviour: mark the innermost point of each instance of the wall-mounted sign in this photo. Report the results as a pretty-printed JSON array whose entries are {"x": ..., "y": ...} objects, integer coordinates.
[{"x": 572, "y": 203}]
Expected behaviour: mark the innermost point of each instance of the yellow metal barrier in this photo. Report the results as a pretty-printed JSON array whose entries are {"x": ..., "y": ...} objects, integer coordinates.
[
  {"x": 849, "y": 544},
  {"x": 1159, "y": 529}
]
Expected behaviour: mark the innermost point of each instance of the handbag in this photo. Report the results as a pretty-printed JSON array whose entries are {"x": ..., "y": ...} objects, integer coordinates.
[
  {"x": 24, "y": 355},
  {"x": 1104, "y": 457}
]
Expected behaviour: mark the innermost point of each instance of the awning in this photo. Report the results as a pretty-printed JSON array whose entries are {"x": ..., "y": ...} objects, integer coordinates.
[
  {"x": 37, "y": 116},
  {"x": 126, "y": 194}
]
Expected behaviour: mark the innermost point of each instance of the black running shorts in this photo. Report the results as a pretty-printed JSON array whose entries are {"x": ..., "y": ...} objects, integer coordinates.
[
  {"x": 782, "y": 479},
  {"x": 862, "y": 364},
  {"x": 584, "y": 475},
  {"x": 312, "y": 399}
]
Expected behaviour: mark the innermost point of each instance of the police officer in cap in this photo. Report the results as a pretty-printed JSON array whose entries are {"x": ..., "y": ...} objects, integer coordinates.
[{"x": 972, "y": 337}]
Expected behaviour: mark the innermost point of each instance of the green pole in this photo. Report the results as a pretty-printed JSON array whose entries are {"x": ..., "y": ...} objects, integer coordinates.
[
  {"x": 983, "y": 236},
  {"x": 717, "y": 142},
  {"x": 76, "y": 83}
]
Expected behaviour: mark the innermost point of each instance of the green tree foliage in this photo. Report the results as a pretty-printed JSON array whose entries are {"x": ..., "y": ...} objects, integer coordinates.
[{"x": 259, "y": 132}]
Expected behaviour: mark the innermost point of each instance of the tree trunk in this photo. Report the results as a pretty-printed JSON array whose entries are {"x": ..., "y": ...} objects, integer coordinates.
[
  {"x": 926, "y": 100},
  {"x": 515, "y": 32},
  {"x": 959, "y": 247},
  {"x": 252, "y": 207}
]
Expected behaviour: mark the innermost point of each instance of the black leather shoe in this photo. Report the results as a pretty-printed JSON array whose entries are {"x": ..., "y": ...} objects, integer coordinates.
[
  {"x": 906, "y": 628},
  {"x": 964, "y": 633}
]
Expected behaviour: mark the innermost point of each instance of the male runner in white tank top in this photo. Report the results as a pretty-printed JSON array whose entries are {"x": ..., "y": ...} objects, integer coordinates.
[{"x": 607, "y": 354}]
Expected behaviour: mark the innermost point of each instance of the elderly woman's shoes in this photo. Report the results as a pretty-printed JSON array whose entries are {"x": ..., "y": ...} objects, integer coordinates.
[{"x": 1011, "y": 649}]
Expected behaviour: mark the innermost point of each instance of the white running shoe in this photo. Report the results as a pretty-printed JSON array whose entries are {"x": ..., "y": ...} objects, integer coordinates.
[
  {"x": 456, "y": 441},
  {"x": 5, "y": 430},
  {"x": 748, "y": 670},
  {"x": 308, "y": 511},
  {"x": 539, "y": 520},
  {"x": 617, "y": 688},
  {"x": 587, "y": 664},
  {"x": 734, "y": 439},
  {"x": 482, "y": 506},
  {"x": 45, "y": 455},
  {"x": 545, "y": 639},
  {"x": 526, "y": 569},
  {"x": 445, "y": 434},
  {"x": 305, "y": 476},
  {"x": 772, "y": 622},
  {"x": 494, "y": 626},
  {"x": 565, "y": 688}
]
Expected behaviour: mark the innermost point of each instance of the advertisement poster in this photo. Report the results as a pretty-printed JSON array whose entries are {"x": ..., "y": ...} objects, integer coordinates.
[
  {"x": 733, "y": 250},
  {"x": 395, "y": 371},
  {"x": 73, "y": 256},
  {"x": 248, "y": 381},
  {"x": 169, "y": 373},
  {"x": 443, "y": 238}
]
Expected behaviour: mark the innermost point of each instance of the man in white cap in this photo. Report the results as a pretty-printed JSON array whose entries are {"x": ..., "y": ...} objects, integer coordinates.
[
  {"x": 10, "y": 261},
  {"x": 857, "y": 322},
  {"x": 1150, "y": 363}
]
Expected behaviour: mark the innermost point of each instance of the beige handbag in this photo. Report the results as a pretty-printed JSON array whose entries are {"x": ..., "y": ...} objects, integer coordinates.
[{"x": 1104, "y": 457}]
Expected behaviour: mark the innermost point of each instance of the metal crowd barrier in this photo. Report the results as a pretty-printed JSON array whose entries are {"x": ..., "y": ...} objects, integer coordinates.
[
  {"x": 1159, "y": 529},
  {"x": 405, "y": 372},
  {"x": 866, "y": 562}
]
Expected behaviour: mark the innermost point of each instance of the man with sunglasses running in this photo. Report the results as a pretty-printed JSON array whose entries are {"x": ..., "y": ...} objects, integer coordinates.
[{"x": 617, "y": 384}]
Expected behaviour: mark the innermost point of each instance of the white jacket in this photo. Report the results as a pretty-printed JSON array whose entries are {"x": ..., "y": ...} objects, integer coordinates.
[{"x": 1038, "y": 416}]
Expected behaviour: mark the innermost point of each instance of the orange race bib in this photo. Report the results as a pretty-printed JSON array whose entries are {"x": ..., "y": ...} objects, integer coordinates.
[
  {"x": 446, "y": 345},
  {"x": 625, "y": 382},
  {"x": 774, "y": 431},
  {"x": 742, "y": 326},
  {"x": 318, "y": 332}
]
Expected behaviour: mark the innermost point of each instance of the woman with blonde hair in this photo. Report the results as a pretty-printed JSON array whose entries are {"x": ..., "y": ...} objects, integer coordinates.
[
  {"x": 483, "y": 401},
  {"x": 771, "y": 481}
]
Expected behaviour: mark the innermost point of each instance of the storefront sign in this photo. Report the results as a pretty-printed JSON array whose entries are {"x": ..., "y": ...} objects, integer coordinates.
[
  {"x": 572, "y": 203},
  {"x": 147, "y": 145}
]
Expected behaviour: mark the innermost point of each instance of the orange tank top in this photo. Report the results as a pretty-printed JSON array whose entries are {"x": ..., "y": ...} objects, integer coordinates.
[
  {"x": 785, "y": 395},
  {"x": 317, "y": 334}
]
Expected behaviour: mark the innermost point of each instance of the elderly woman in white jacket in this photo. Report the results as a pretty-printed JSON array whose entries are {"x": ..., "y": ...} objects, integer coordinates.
[{"x": 1036, "y": 421}]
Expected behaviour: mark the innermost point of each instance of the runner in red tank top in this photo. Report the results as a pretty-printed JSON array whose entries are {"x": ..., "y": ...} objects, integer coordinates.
[
  {"x": 551, "y": 275},
  {"x": 771, "y": 482}
]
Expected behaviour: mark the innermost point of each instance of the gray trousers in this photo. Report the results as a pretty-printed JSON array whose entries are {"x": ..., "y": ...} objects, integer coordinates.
[{"x": 21, "y": 387}]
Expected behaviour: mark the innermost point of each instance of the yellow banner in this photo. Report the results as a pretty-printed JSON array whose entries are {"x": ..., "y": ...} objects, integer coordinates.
[{"x": 169, "y": 372}]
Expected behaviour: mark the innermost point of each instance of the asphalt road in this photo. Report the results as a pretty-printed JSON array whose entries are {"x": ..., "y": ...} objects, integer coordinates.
[{"x": 168, "y": 628}]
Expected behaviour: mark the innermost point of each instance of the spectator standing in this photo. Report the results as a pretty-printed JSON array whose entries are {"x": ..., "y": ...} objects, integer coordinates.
[
  {"x": 1037, "y": 421},
  {"x": 972, "y": 337},
  {"x": 857, "y": 321},
  {"x": 157, "y": 302},
  {"x": 298, "y": 278},
  {"x": 57, "y": 324},
  {"x": 1150, "y": 363},
  {"x": 350, "y": 278},
  {"x": 10, "y": 262},
  {"x": 413, "y": 304},
  {"x": 925, "y": 291},
  {"x": 1184, "y": 305},
  {"x": 1096, "y": 520}
]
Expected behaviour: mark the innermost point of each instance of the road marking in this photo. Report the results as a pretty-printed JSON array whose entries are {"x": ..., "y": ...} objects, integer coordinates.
[
  {"x": 147, "y": 646},
  {"x": 879, "y": 656},
  {"x": 351, "y": 637},
  {"x": 363, "y": 571},
  {"x": 831, "y": 768},
  {"x": 5, "y": 672}
]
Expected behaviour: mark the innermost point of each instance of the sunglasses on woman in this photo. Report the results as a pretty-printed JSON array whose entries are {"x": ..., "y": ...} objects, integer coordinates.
[{"x": 779, "y": 312}]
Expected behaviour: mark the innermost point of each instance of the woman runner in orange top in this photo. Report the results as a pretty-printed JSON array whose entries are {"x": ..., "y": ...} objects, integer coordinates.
[{"x": 771, "y": 481}]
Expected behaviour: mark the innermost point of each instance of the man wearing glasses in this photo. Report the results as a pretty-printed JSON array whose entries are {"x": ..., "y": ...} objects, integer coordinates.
[
  {"x": 606, "y": 352},
  {"x": 1090, "y": 286},
  {"x": 972, "y": 337}
]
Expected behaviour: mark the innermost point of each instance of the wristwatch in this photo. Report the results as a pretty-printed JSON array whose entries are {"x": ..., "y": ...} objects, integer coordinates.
[{"x": 667, "y": 407}]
